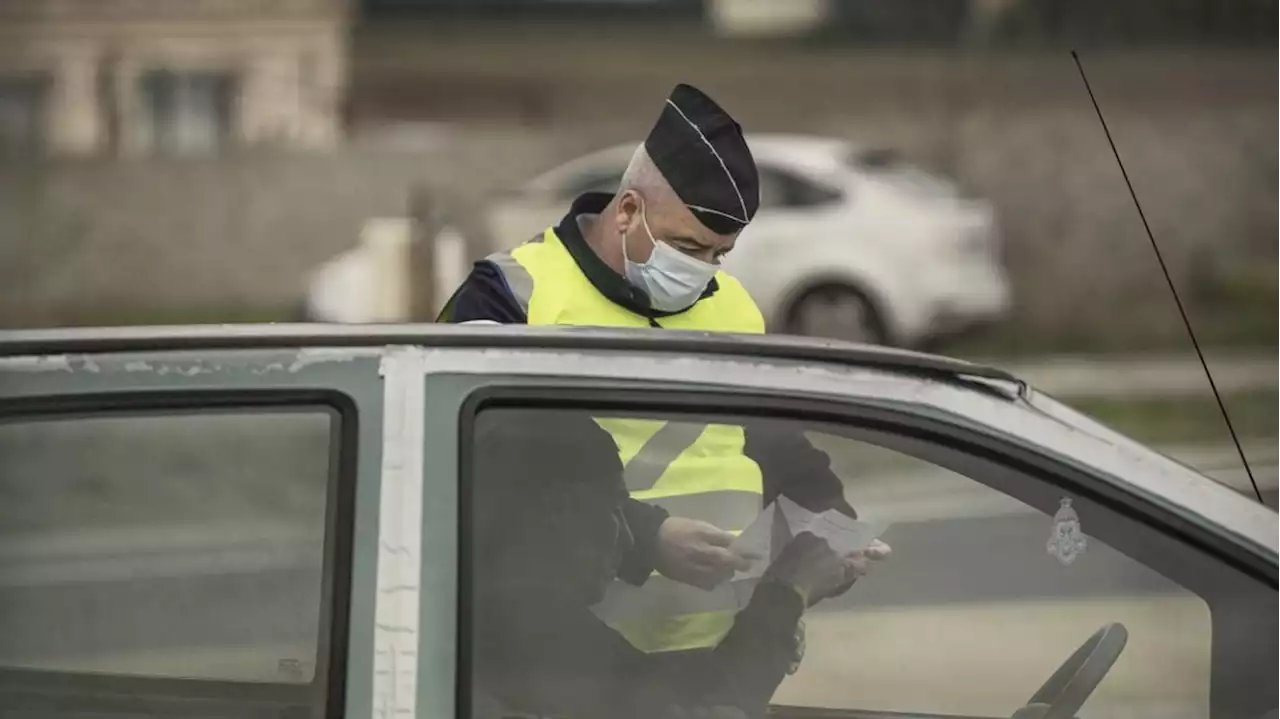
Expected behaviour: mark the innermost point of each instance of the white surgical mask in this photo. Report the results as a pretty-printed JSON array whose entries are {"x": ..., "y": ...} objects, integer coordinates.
[{"x": 672, "y": 279}]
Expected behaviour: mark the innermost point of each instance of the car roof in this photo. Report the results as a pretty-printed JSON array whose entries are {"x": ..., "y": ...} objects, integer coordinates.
[
  {"x": 821, "y": 154},
  {"x": 296, "y": 335}
]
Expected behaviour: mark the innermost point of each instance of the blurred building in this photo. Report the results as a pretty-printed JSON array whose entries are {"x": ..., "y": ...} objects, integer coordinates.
[
  {"x": 530, "y": 63},
  {"x": 458, "y": 100},
  {"x": 1025, "y": 23},
  {"x": 138, "y": 77}
]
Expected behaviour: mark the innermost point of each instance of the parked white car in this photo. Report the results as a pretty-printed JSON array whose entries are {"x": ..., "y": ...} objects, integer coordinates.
[{"x": 849, "y": 242}]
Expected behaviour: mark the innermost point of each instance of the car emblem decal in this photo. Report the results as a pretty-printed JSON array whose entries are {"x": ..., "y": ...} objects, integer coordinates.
[{"x": 1066, "y": 541}]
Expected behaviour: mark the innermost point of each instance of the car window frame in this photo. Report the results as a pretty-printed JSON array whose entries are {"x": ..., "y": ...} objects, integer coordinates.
[
  {"x": 641, "y": 398},
  {"x": 333, "y": 645},
  {"x": 832, "y": 195}
]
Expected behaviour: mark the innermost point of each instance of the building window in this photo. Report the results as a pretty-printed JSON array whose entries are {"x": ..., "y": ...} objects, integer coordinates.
[
  {"x": 185, "y": 112},
  {"x": 22, "y": 115}
]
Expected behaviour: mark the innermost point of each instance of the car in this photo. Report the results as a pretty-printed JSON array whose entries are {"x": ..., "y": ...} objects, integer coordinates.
[
  {"x": 274, "y": 521},
  {"x": 849, "y": 243}
]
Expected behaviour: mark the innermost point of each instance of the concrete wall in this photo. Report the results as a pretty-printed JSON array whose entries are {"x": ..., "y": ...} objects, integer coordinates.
[
  {"x": 148, "y": 239},
  {"x": 210, "y": 238}
]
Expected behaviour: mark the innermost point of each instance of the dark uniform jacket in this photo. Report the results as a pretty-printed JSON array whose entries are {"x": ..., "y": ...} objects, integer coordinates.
[{"x": 789, "y": 463}]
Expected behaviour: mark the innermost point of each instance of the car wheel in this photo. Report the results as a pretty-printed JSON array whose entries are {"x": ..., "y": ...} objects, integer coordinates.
[{"x": 836, "y": 312}]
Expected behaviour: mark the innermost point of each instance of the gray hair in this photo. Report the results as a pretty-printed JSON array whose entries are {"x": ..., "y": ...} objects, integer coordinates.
[{"x": 644, "y": 177}]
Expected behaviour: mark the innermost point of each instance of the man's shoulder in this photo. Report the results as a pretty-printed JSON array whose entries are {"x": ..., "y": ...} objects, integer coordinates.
[
  {"x": 485, "y": 294},
  {"x": 730, "y": 285},
  {"x": 486, "y": 275},
  {"x": 531, "y": 250},
  {"x": 731, "y": 291}
]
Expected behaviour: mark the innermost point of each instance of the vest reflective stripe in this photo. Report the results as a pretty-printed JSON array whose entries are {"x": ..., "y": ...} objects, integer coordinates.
[
  {"x": 713, "y": 462},
  {"x": 519, "y": 281},
  {"x": 693, "y": 470},
  {"x": 658, "y": 452}
]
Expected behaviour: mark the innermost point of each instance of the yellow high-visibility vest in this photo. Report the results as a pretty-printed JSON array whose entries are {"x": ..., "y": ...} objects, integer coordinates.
[{"x": 693, "y": 470}]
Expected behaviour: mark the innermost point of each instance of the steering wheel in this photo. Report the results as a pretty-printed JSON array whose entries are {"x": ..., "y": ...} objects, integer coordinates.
[{"x": 1069, "y": 687}]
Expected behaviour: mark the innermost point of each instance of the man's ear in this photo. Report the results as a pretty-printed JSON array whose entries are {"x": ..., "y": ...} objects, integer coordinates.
[{"x": 628, "y": 209}]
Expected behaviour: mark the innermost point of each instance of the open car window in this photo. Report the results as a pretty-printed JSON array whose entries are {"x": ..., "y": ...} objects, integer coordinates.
[{"x": 999, "y": 572}]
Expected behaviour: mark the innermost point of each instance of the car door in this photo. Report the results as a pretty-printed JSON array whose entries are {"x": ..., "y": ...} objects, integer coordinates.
[
  {"x": 181, "y": 531},
  {"x": 1011, "y": 546}
]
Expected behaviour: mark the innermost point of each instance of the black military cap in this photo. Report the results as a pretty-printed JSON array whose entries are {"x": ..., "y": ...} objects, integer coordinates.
[{"x": 700, "y": 150}]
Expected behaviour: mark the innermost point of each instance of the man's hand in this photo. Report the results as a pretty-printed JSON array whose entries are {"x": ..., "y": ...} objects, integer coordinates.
[
  {"x": 810, "y": 566},
  {"x": 697, "y": 553},
  {"x": 859, "y": 563}
]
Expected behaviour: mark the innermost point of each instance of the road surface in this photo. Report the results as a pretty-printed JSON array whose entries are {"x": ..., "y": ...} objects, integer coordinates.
[{"x": 1144, "y": 376}]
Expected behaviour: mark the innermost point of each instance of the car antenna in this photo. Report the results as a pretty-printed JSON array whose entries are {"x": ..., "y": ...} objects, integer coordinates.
[{"x": 1186, "y": 321}]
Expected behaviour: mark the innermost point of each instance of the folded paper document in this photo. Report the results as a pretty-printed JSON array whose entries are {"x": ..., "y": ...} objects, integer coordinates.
[{"x": 784, "y": 519}]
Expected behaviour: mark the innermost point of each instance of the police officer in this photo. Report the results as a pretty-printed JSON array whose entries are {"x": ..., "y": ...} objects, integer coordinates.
[
  {"x": 648, "y": 256},
  {"x": 547, "y": 490}
]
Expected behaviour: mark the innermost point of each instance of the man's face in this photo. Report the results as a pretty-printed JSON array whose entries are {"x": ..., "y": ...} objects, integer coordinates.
[{"x": 671, "y": 222}]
